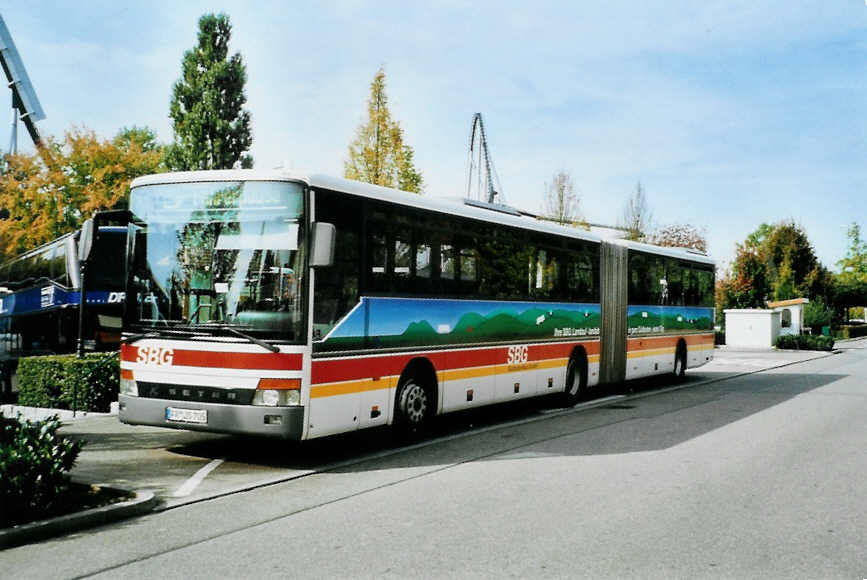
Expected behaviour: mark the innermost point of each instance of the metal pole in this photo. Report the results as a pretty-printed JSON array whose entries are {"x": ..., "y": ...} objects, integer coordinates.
[{"x": 81, "y": 306}]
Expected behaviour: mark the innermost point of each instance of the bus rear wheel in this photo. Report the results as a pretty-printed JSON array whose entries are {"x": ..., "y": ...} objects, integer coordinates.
[
  {"x": 576, "y": 379},
  {"x": 680, "y": 361},
  {"x": 414, "y": 407}
]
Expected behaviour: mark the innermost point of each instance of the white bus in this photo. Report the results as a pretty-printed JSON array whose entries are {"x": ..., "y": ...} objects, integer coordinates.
[{"x": 300, "y": 306}]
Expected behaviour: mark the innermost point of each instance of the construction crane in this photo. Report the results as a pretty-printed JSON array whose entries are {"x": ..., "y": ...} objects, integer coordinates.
[
  {"x": 488, "y": 188},
  {"x": 24, "y": 100}
]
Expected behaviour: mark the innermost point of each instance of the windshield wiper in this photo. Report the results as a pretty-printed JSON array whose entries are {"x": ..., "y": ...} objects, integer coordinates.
[{"x": 253, "y": 339}]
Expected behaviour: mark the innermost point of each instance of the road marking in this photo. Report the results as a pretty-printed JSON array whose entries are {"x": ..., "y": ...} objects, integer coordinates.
[{"x": 192, "y": 483}]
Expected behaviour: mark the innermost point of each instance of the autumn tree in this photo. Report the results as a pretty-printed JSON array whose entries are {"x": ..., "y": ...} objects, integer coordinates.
[
  {"x": 49, "y": 193},
  {"x": 636, "y": 218},
  {"x": 680, "y": 236},
  {"x": 378, "y": 153},
  {"x": 211, "y": 125},
  {"x": 562, "y": 204}
]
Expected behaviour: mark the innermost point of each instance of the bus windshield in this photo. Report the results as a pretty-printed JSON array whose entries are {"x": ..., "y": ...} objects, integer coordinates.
[{"x": 219, "y": 255}]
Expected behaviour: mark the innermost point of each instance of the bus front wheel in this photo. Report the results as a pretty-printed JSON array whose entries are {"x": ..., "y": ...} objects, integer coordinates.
[{"x": 414, "y": 407}]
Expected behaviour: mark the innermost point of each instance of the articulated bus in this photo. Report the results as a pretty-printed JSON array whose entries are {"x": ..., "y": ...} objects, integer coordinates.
[
  {"x": 301, "y": 306},
  {"x": 40, "y": 296}
]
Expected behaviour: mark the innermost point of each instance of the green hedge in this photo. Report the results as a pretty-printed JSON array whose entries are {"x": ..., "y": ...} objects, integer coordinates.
[
  {"x": 852, "y": 331},
  {"x": 34, "y": 469},
  {"x": 804, "y": 342},
  {"x": 49, "y": 381}
]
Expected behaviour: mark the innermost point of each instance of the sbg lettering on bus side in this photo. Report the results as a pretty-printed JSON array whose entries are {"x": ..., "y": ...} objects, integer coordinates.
[
  {"x": 517, "y": 355},
  {"x": 155, "y": 355}
]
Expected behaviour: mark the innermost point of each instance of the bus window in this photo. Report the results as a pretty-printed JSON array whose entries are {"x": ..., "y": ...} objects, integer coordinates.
[
  {"x": 447, "y": 262},
  {"x": 422, "y": 261},
  {"x": 402, "y": 254},
  {"x": 468, "y": 261},
  {"x": 337, "y": 285},
  {"x": 59, "y": 272}
]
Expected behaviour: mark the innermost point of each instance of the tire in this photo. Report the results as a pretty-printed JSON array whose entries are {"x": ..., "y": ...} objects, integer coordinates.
[
  {"x": 680, "y": 362},
  {"x": 576, "y": 379},
  {"x": 414, "y": 408}
]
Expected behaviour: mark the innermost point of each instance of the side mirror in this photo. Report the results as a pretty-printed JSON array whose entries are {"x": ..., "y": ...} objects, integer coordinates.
[
  {"x": 322, "y": 246},
  {"x": 85, "y": 240}
]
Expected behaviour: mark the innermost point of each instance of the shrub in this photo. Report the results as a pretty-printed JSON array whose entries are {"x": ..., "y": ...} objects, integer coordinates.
[
  {"x": 804, "y": 342},
  {"x": 817, "y": 315},
  {"x": 852, "y": 331},
  {"x": 34, "y": 468},
  {"x": 719, "y": 337},
  {"x": 52, "y": 381}
]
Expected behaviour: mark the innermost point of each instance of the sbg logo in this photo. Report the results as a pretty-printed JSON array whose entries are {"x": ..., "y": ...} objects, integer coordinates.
[
  {"x": 517, "y": 355},
  {"x": 155, "y": 355}
]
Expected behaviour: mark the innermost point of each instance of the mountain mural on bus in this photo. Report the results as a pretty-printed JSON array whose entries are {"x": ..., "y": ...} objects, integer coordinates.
[
  {"x": 404, "y": 322},
  {"x": 662, "y": 319}
]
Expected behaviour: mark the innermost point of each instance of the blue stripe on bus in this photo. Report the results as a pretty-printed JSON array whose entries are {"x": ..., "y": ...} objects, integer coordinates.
[{"x": 37, "y": 299}]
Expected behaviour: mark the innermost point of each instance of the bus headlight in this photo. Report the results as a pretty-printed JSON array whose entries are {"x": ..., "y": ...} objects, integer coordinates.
[
  {"x": 128, "y": 385},
  {"x": 278, "y": 393}
]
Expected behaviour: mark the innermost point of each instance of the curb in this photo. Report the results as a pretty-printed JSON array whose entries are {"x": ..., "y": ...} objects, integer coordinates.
[
  {"x": 38, "y": 413},
  {"x": 142, "y": 503}
]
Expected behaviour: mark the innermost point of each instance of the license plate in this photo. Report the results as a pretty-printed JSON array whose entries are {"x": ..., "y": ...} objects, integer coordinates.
[{"x": 186, "y": 415}]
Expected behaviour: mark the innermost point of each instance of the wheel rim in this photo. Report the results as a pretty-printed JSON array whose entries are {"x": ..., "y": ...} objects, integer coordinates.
[{"x": 414, "y": 403}]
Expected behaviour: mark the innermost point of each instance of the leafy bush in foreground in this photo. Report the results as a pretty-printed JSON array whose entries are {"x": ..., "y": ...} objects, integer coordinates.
[{"x": 34, "y": 468}]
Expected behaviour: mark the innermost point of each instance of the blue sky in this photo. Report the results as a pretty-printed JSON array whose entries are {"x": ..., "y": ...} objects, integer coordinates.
[{"x": 729, "y": 113}]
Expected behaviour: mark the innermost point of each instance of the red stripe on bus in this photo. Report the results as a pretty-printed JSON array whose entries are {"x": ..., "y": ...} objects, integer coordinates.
[
  {"x": 226, "y": 360},
  {"x": 350, "y": 369}
]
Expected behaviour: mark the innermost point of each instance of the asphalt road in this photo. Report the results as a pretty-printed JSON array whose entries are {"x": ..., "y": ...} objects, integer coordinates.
[{"x": 755, "y": 476}]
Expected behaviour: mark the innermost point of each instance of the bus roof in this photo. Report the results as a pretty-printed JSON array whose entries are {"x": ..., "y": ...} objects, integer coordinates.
[{"x": 436, "y": 204}]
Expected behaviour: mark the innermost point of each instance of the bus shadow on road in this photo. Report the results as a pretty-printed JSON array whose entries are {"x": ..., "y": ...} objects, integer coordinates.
[
  {"x": 657, "y": 418},
  {"x": 670, "y": 418}
]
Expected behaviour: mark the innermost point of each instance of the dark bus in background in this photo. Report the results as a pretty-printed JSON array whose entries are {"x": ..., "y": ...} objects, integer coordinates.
[{"x": 40, "y": 298}]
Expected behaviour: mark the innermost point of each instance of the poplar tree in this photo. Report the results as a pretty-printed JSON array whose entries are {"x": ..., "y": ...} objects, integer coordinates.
[
  {"x": 378, "y": 153},
  {"x": 211, "y": 126}
]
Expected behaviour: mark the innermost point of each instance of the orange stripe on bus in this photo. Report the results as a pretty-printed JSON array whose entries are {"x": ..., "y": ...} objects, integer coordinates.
[{"x": 352, "y": 387}]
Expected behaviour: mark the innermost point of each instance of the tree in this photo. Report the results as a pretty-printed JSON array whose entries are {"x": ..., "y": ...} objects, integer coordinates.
[
  {"x": 851, "y": 283},
  {"x": 378, "y": 153},
  {"x": 636, "y": 215},
  {"x": 680, "y": 236},
  {"x": 211, "y": 127},
  {"x": 50, "y": 193},
  {"x": 775, "y": 262},
  {"x": 561, "y": 202}
]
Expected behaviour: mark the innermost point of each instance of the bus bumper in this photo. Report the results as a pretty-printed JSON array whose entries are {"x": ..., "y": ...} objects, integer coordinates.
[{"x": 280, "y": 422}]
